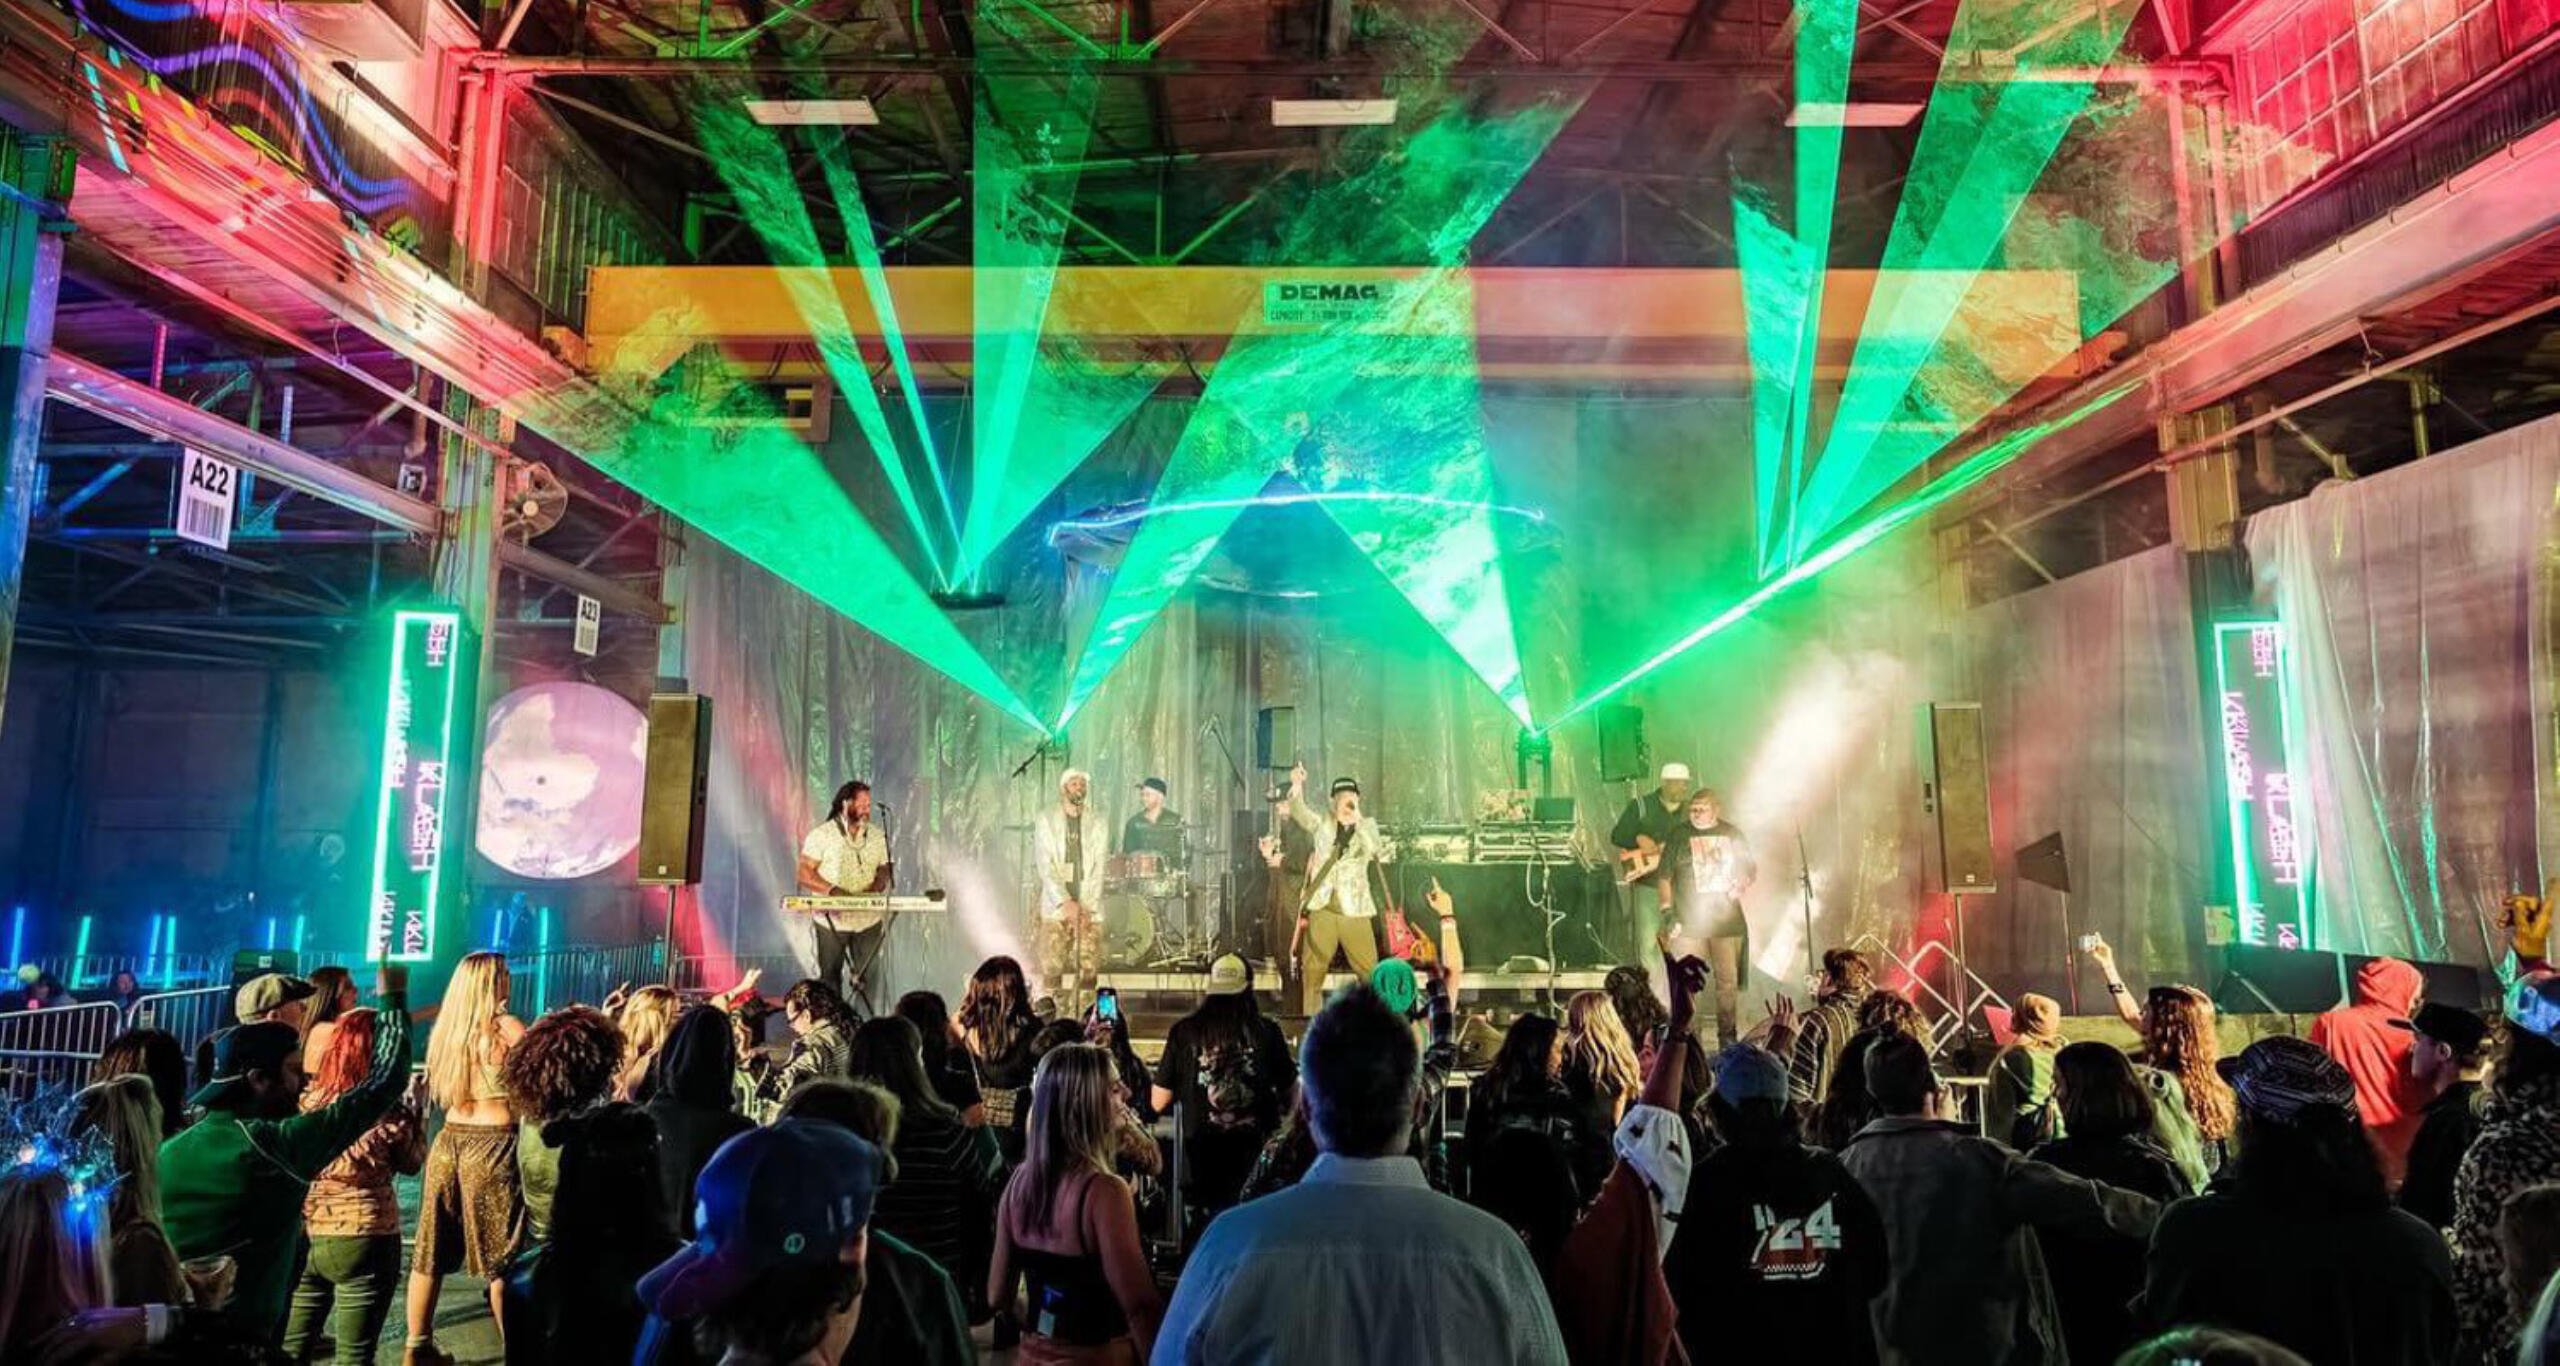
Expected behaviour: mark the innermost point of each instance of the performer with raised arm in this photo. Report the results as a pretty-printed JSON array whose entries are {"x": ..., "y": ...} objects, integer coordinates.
[
  {"x": 1340, "y": 906},
  {"x": 1071, "y": 847},
  {"x": 847, "y": 855},
  {"x": 1711, "y": 867}
]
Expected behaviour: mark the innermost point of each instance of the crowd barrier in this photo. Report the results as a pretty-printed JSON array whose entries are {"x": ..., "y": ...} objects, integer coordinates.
[{"x": 50, "y": 1048}]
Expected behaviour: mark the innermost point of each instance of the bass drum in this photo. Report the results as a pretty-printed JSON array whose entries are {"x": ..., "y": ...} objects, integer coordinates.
[{"x": 1128, "y": 931}]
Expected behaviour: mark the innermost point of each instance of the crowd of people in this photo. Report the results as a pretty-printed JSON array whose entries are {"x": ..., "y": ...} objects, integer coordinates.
[{"x": 665, "y": 1181}]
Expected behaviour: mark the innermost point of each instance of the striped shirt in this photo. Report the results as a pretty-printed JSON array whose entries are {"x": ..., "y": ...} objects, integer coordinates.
[{"x": 949, "y": 1176}]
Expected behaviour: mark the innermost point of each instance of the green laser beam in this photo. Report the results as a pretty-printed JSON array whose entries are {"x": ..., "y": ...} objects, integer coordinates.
[{"x": 1937, "y": 491}]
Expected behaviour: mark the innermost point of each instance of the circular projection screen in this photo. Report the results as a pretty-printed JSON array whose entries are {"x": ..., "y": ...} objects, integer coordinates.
[{"x": 560, "y": 780}]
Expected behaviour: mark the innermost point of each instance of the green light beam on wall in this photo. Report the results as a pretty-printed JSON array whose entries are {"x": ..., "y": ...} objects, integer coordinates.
[
  {"x": 753, "y": 163},
  {"x": 1937, "y": 491},
  {"x": 1983, "y": 145}
]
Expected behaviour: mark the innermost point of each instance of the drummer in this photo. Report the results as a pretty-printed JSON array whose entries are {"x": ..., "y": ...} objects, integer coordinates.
[{"x": 1154, "y": 828}]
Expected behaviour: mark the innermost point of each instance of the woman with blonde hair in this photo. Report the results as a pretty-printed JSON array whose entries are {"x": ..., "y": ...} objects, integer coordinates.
[
  {"x": 141, "y": 1260},
  {"x": 1602, "y": 1076},
  {"x": 646, "y": 1020},
  {"x": 1067, "y": 1228},
  {"x": 472, "y": 1205}
]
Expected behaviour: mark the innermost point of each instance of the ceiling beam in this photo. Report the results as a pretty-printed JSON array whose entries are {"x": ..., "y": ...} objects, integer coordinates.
[{"x": 1705, "y": 68}]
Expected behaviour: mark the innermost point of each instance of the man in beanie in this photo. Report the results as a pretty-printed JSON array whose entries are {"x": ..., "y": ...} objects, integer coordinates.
[
  {"x": 2297, "y": 1241},
  {"x": 2445, "y": 1061},
  {"x": 1960, "y": 1212},
  {"x": 774, "y": 1275},
  {"x": 1780, "y": 1252},
  {"x": 233, "y": 1183}
]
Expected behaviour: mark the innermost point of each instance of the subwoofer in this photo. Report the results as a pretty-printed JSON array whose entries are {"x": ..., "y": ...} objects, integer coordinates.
[
  {"x": 1275, "y": 738},
  {"x": 674, "y": 790}
]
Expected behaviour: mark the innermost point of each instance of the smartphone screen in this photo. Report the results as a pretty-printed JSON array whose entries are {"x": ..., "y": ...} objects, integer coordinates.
[{"x": 1106, "y": 1003}]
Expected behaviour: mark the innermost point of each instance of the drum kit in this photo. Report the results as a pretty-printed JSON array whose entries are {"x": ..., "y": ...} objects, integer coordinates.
[{"x": 1150, "y": 913}]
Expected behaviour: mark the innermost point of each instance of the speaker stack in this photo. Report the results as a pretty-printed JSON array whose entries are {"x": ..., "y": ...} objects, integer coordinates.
[{"x": 675, "y": 789}]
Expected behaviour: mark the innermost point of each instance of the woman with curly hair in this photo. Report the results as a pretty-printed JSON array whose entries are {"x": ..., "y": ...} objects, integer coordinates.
[
  {"x": 2197, "y": 1111},
  {"x": 352, "y": 1275},
  {"x": 563, "y": 1067}
]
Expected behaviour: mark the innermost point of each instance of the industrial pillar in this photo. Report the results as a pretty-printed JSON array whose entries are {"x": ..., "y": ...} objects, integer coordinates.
[
  {"x": 35, "y": 188},
  {"x": 465, "y": 575}
]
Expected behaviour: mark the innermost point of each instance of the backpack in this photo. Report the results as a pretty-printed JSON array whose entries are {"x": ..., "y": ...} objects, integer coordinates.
[{"x": 1231, "y": 1084}]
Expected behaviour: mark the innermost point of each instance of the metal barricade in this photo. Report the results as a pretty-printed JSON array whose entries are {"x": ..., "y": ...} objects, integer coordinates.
[
  {"x": 187, "y": 1015},
  {"x": 577, "y": 975},
  {"x": 56, "y": 1047},
  {"x": 1944, "y": 1018},
  {"x": 692, "y": 974}
]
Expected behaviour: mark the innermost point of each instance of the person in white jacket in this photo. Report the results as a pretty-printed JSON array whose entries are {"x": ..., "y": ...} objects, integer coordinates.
[
  {"x": 1071, "y": 846},
  {"x": 1341, "y": 906}
]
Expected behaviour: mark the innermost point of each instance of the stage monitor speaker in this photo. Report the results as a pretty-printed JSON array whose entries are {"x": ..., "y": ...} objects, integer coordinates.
[
  {"x": 674, "y": 789},
  {"x": 249, "y": 964},
  {"x": 2043, "y": 864},
  {"x": 1275, "y": 737},
  {"x": 2452, "y": 984},
  {"x": 1622, "y": 748},
  {"x": 1955, "y": 795},
  {"x": 1551, "y": 810},
  {"x": 2258, "y": 980}
]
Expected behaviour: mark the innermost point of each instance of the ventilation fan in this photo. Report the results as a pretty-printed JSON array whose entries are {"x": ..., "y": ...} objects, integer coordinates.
[{"x": 531, "y": 499}]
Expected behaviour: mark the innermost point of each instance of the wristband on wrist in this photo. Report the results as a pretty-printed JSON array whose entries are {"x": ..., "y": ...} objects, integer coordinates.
[{"x": 2115, "y": 989}]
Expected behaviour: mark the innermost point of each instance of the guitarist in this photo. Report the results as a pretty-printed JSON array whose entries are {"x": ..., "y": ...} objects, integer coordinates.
[{"x": 1652, "y": 823}]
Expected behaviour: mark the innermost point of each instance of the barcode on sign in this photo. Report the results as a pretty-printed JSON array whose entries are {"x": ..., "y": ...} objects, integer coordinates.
[{"x": 201, "y": 521}]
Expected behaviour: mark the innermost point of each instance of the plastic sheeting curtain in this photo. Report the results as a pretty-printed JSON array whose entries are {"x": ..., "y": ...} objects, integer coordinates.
[{"x": 2419, "y": 605}]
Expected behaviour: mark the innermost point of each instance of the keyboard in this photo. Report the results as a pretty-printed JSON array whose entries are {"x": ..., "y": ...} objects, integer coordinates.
[{"x": 872, "y": 901}]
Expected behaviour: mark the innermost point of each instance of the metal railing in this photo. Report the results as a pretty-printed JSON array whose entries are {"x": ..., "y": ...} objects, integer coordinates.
[
  {"x": 692, "y": 973},
  {"x": 552, "y": 978},
  {"x": 187, "y": 1015},
  {"x": 1942, "y": 1017},
  {"x": 56, "y": 1047},
  {"x": 92, "y": 972}
]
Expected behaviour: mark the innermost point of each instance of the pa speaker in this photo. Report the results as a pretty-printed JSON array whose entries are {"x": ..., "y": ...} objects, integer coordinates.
[
  {"x": 1955, "y": 795},
  {"x": 250, "y": 964},
  {"x": 2261, "y": 980},
  {"x": 1622, "y": 749},
  {"x": 1275, "y": 737},
  {"x": 674, "y": 789}
]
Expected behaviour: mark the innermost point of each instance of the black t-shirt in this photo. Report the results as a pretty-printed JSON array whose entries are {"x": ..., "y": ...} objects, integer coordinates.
[
  {"x": 1138, "y": 835},
  {"x": 1274, "y": 1070},
  {"x": 1778, "y": 1256}
]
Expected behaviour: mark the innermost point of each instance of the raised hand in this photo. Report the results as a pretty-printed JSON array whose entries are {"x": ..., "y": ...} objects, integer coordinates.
[
  {"x": 1298, "y": 776},
  {"x": 1688, "y": 979},
  {"x": 2102, "y": 953},
  {"x": 615, "y": 999},
  {"x": 1438, "y": 900},
  {"x": 2527, "y": 920}
]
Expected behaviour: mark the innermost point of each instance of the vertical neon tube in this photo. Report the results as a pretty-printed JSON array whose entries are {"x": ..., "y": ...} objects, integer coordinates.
[
  {"x": 17, "y": 936},
  {"x": 542, "y": 958},
  {"x": 169, "y": 958},
  {"x": 271, "y": 934},
  {"x": 151, "y": 947},
  {"x": 297, "y": 933},
  {"x": 80, "y": 955}
]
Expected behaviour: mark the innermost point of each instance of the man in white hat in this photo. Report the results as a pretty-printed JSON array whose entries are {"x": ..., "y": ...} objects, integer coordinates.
[
  {"x": 1071, "y": 851},
  {"x": 1652, "y": 823}
]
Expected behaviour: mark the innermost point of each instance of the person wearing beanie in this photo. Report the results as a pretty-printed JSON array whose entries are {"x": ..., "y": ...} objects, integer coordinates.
[
  {"x": 1780, "y": 1253},
  {"x": 2298, "y": 1241}
]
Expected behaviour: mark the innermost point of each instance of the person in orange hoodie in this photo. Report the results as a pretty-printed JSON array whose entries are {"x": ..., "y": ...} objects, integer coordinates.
[{"x": 2361, "y": 1036}]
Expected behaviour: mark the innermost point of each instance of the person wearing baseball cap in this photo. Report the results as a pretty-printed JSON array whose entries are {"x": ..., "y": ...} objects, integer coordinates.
[
  {"x": 2298, "y": 1241},
  {"x": 775, "y": 1271},
  {"x": 1153, "y": 828},
  {"x": 2519, "y": 1140},
  {"x": 2446, "y": 1062},
  {"x": 233, "y": 1183},
  {"x": 1340, "y": 909},
  {"x": 1071, "y": 848},
  {"x": 278, "y": 996},
  {"x": 1230, "y": 1069}
]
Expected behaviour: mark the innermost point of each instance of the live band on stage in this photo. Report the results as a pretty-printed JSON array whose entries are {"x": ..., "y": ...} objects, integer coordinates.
[{"x": 1310, "y": 886}]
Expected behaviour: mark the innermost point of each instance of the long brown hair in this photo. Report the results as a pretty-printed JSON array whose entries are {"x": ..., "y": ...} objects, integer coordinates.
[
  {"x": 997, "y": 1009},
  {"x": 1073, "y": 1109},
  {"x": 2178, "y": 1038},
  {"x": 329, "y": 985},
  {"x": 56, "y": 1256}
]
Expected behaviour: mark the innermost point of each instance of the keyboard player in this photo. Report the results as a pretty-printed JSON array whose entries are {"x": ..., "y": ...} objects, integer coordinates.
[{"x": 846, "y": 855}]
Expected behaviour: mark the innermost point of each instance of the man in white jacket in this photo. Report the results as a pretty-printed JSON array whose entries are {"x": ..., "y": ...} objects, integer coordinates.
[
  {"x": 1071, "y": 846},
  {"x": 1341, "y": 906}
]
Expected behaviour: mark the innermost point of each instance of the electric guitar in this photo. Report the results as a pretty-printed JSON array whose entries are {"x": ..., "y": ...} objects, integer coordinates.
[{"x": 1640, "y": 862}]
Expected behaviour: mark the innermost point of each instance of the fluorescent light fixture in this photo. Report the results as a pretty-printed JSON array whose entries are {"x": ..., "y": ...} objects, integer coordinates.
[
  {"x": 1855, "y": 114},
  {"x": 1331, "y": 113},
  {"x": 813, "y": 113}
]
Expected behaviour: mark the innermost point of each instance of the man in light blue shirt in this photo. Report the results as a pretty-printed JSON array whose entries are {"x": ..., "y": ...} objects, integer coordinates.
[{"x": 1360, "y": 1262}]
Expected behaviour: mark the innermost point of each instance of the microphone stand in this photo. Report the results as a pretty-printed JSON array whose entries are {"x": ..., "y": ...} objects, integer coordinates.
[
  {"x": 1804, "y": 878},
  {"x": 1217, "y": 732}
]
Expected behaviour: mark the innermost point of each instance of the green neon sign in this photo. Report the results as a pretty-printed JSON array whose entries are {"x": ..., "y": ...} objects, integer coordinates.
[
  {"x": 2266, "y": 811},
  {"x": 423, "y": 697}
]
